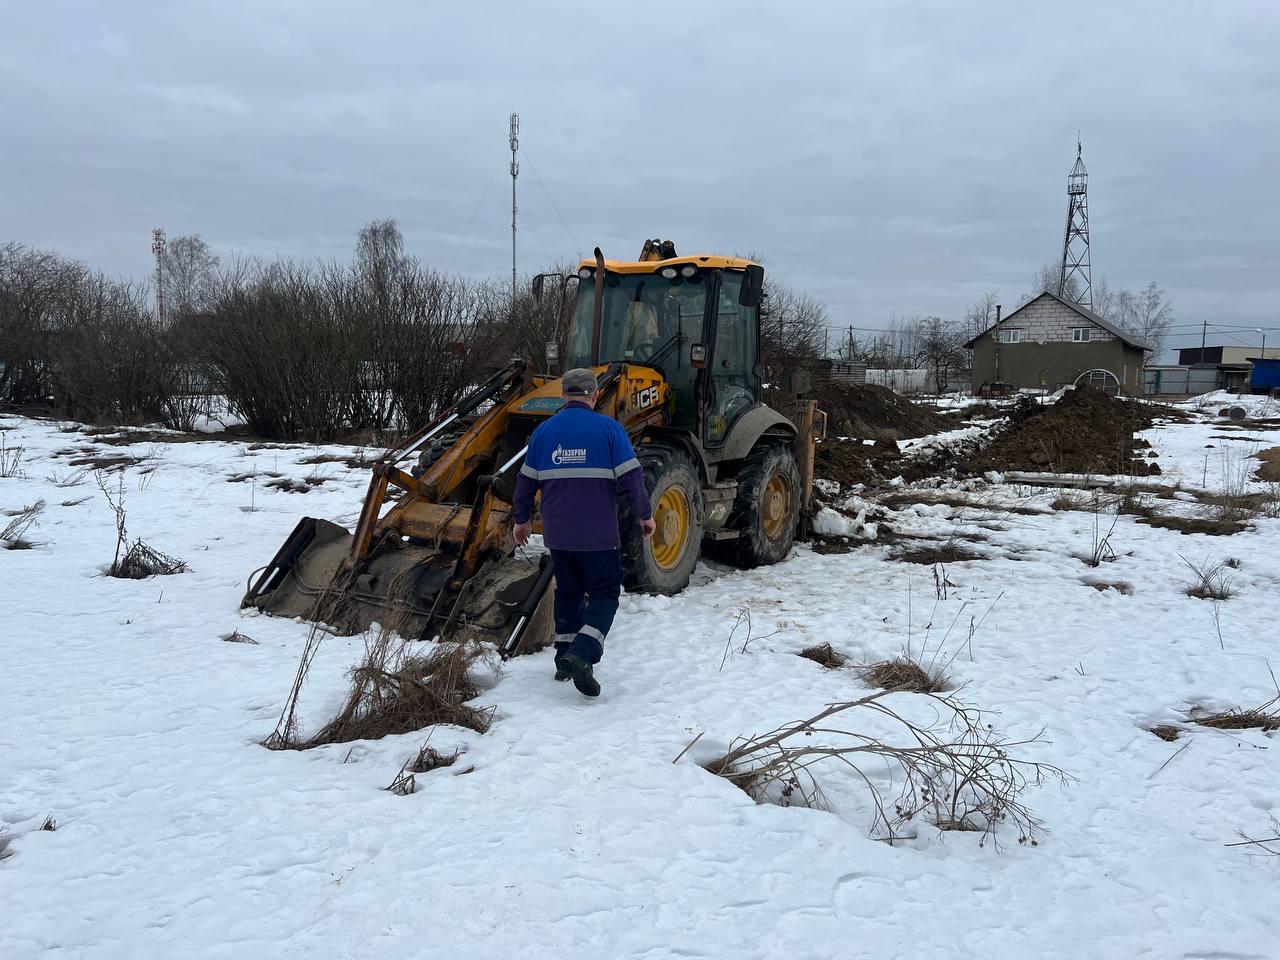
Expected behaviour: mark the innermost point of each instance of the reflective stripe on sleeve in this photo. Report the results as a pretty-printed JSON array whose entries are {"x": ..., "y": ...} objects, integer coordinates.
[
  {"x": 626, "y": 467},
  {"x": 529, "y": 472}
]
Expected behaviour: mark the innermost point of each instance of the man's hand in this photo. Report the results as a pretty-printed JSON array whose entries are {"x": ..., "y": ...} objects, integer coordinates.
[
  {"x": 523, "y": 531},
  {"x": 647, "y": 527}
]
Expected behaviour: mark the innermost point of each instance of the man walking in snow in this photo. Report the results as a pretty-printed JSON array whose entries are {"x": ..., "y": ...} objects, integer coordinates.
[{"x": 579, "y": 459}]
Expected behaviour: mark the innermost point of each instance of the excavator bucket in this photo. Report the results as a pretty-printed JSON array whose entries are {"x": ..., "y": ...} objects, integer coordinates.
[
  {"x": 506, "y": 602},
  {"x": 436, "y": 561}
]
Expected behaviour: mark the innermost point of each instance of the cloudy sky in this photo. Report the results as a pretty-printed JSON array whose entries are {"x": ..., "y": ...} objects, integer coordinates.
[{"x": 887, "y": 157}]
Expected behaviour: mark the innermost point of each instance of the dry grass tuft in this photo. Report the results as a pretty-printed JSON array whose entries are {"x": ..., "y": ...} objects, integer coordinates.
[
  {"x": 903, "y": 673},
  {"x": 13, "y": 536},
  {"x": 429, "y": 758},
  {"x": 360, "y": 460},
  {"x": 142, "y": 560},
  {"x": 1166, "y": 731},
  {"x": 305, "y": 485},
  {"x": 235, "y": 636},
  {"x": 106, "y": 461},
  {"x": 825, "y": 655},
  {"x": 1069, "y": 500},
  {"x": 10, "y": 459},
  {"x": 1264, "y": 717},
  {"x": 49, "y": 823},
  {"x": 1212, "y": 582},
  {"x": 395, "y": 692}
]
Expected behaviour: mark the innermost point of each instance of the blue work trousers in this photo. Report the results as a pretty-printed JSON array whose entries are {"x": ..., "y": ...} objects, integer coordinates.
[{"x": 587, "y": 586}]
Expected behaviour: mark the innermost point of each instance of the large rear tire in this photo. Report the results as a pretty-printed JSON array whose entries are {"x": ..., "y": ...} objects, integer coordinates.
[
  {"x": 766, "y": 509},
  {"x": 664, "y": 562}
]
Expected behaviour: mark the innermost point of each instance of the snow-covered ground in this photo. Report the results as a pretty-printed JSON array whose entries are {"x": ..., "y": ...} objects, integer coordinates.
[{"x": 567, "y": 831}]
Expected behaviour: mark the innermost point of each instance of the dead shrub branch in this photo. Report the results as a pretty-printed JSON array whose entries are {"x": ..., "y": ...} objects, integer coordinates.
[{"x": 956, "y": 772}]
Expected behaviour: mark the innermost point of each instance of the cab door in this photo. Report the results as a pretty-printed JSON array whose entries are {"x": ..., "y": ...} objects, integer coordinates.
[{"x": 733, "y": 382}]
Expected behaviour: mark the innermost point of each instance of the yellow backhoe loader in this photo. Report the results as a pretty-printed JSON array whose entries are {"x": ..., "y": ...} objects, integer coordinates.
[{"x": 675, "y": 344}]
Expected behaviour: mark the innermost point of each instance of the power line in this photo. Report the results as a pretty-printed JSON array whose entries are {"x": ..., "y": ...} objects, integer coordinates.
[
  {"x": 576, "y": 246},
  {"x": 483, "y": 195}
]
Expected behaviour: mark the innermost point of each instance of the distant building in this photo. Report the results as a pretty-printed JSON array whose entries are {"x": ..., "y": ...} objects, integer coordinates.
[
  {"x": 802, "y": 376},
  {"x": 1050, "y": 342},
  {"x": 1222, "y": 368}
]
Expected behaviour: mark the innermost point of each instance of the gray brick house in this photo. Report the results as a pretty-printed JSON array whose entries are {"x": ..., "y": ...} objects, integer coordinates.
[{"x": 1050, "y": 342}]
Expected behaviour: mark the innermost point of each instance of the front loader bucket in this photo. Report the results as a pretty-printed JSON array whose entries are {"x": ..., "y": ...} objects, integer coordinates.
[
  {"x": 404, "y": 587},
  {"x": 305, "y": 580}
]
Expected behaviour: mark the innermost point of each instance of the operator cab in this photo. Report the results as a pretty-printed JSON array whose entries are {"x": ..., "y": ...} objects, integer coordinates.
[{"x": 694, "y": 319}]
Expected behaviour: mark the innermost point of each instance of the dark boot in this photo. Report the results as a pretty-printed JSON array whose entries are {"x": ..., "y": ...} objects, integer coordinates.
[
  {"x": 561, "y": 673},
  {"x": 580, "y": 672}
]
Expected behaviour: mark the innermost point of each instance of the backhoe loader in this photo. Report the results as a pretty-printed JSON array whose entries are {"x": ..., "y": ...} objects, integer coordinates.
[{"x": 675, "y": 344}]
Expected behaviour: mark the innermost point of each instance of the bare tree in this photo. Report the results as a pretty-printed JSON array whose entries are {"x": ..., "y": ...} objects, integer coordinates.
[
  {"x": 190, "y": 275},
  {"x": 793, "y": 325},
  {"x": 35, "y": 287},
  {"x": 981, "y": 315},
  {"x": 941, "y": 349},
  {"x": 1046, "y": 280},
  {"x": 1147, "y": 315},
  {"x": 1105, "y": 300}
]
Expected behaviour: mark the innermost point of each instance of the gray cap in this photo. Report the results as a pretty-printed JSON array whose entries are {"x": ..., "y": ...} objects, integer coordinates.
[{"x": 579, "y": 382}]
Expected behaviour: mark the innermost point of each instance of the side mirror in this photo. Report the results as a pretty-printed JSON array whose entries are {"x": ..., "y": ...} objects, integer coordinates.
[
  {"x": 537, "y": 288},
  {"x": 553, "y": 355},
  {"x": 698, "y": 356},
  {"x": 752, "y": 286}
]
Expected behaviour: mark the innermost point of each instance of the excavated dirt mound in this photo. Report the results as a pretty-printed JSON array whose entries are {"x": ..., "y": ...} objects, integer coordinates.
[
  {"x": 1087, "y": 431},
  {"x": 869, "y": 412},
  {"x": 1270, "y": 469},
  {"x": 852, "y": 461}
]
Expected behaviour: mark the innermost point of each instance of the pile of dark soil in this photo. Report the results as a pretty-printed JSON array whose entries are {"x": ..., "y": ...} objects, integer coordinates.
[
  {"x": 930, "y": 554},
  {"x": 1087, "y": 431},
  {"x": 852, "y": 461},
  {"x": 869, "y": 412},
  {"x": 1270, "y": 469}
]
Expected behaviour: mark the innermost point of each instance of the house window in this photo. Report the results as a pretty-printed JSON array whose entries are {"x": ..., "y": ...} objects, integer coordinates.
[
  {"x": 1080, "y": 334},
  {"x": 1010, "y": 335}
]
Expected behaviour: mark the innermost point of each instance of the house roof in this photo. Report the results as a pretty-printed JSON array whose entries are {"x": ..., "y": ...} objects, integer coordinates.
[{"x": 1119, "y": 332}]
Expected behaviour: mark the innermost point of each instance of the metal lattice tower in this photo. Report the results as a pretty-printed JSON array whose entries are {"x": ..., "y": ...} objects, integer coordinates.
[
  {"x": 1075, "y": 245},
  {"x": 514, "y": 138},
  {"x": 157, "y": 247}
]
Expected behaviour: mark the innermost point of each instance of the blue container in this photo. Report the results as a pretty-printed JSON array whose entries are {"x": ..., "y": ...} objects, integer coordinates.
[{"x": 1266, "y": 374}]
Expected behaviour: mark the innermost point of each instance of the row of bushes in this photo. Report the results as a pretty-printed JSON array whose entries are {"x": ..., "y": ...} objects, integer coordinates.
[
  {"x": 310, "y": 351},
  {"x": 298, "y": 351}
]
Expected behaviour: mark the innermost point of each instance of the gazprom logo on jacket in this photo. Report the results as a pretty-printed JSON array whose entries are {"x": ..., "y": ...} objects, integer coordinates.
[{"x": 561, "y": 456}]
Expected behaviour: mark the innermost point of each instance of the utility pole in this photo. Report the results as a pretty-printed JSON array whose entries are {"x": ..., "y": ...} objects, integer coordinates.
[
  {"x": 1204, "y": 330},
  {"x": 157, "y": 247},
  {"x": 515, "y": 172}
]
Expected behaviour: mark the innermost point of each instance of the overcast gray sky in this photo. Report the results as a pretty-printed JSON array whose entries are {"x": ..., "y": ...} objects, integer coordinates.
[{"x": 887, "y": 157}]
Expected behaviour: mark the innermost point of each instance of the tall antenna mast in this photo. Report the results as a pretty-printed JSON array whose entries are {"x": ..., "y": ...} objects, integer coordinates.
[
  {"x": 1075, "y": 245},
  {"x": 157, "y": 247},
  {"x": 515, "y": 172}
]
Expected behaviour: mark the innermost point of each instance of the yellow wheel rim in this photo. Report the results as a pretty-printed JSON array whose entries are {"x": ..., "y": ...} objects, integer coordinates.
[
  {"x": 775, "y": 506},
  {"x": 671, "y": 517}
]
